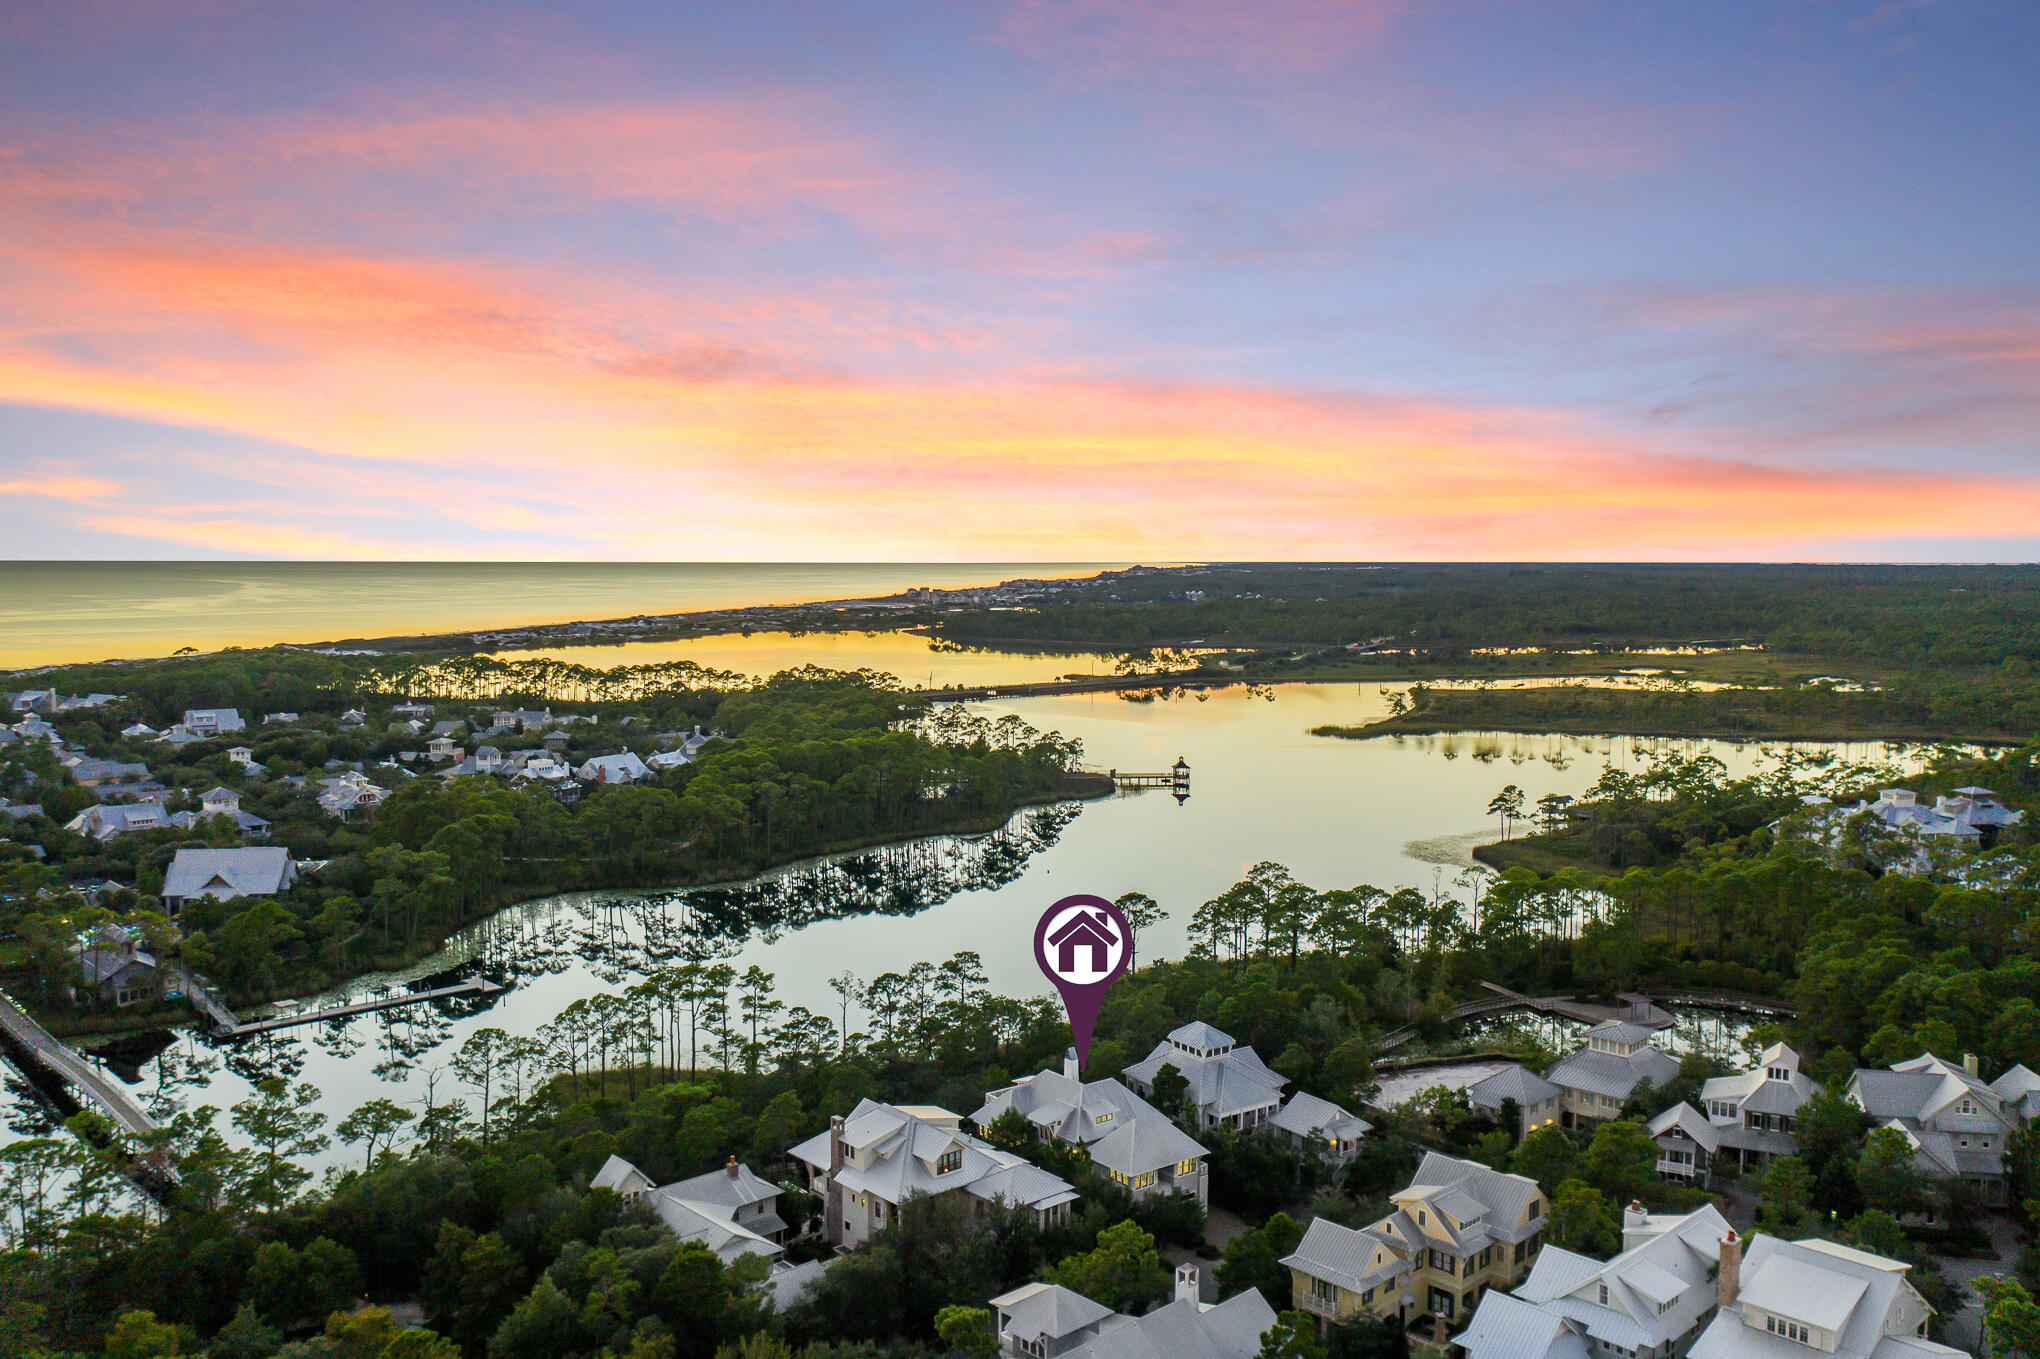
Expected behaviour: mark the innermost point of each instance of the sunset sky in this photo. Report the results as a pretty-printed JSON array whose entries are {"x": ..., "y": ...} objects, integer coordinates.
[{"x": 1021, "y": 279}]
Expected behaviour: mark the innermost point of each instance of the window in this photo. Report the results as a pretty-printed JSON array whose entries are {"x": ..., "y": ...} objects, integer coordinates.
[
  {"x": 1791, "y": 1330},
  {"x": 1967, "y": 1106},
  {"x": 950, "y": 1160},
  {"x": 1323, "y": 1291},
  {"x": 1604, "y": 1295},
  {"x": 1188, "y": 1167},
  {"x": 1101, "y": 1118}
]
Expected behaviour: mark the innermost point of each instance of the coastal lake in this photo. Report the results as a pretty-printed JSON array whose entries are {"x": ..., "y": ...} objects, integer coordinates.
[{"x": 1391, "y": 811}]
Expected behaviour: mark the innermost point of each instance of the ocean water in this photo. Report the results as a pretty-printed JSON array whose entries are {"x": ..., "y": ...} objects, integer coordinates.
[{"x": 54, "y": 613}]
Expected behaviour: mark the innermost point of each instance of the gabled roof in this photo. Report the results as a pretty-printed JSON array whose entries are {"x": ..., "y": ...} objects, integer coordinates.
[
  {"x": 710, "y": 1224},
  {"x": 1863, "y": 1299},
  {"x": 1692, "y": 1123},
  {"x": 1307, "y": 1116},
  {"x": 621, "y": 1176},
  {"x": 905, "y": 1148},
  {"x": 1518, "y": 1083},
  {"x": 1047, "y": 1311},
  {"x": 734, "y": 1191},
  {"x": 1336, "y": 1254},
  {"x": 228, "y": 873},
  {"x": 1655, "y": 1291},
  {"x": 1613, "y": 1074},
  {"x": 1506, "y": 1327},
  {"x": 1123, "y": 1131},
  {"x": 1185, "y": 1330}
]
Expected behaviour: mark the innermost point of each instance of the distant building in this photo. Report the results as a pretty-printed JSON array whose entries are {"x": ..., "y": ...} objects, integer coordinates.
[
  {"x": 1307, "y": 1120},
  {"x": 226, "y": 874},
  {"x": 867, "y": 1166},
  {"x": 116, "y": 969},
  {"x": 620, "y": 768},
  {"x": 350, "y": 795},
  {"x": 204, "y": 722}
]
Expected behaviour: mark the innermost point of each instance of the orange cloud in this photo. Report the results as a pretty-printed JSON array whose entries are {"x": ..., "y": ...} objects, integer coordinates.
[{"x": 60, "y": 488}]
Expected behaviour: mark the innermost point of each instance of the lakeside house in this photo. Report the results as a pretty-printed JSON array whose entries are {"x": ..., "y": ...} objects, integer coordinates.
[
  {"x": 1904, "y": 834},
  {"x": 117, "y": 970},
  {"x": 1457, "y": 1230},
  {"x": 1792, "y": 1296},
  {"x": 1133, "y": 1143},
  {"x": 1956, "y": 1124},
  {"x": 1049, "y": 1321},
  {"x": 1648, "y": 1302},
  {"x": 1598, "y": 1079},
  {"x": 1753, "y": 1113},
  {"x": 226, "y": 874},
  {"x": 867, "y": 1166}
]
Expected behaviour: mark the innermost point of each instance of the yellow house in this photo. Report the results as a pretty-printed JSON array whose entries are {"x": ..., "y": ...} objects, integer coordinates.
[{"x": 1457, "y": 1230}]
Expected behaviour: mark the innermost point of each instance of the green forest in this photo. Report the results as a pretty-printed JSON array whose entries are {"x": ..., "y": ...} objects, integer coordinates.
[
  {"x": 803, "y": 763},
  {"x": 477, "y": 1209}
]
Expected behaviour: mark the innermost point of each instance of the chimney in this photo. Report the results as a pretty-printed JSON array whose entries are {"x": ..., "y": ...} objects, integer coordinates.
[
  {"x": 832, "y": 1201},
  {"x": 1969, "y": 1062},
  {"x": 1070, "y": 1067},
  {"x": 731, "y": 1169},
  {"x": 1186, "y": 1284},
  {"x": 1635, "y": 1215},
  {"x": 1728, "y": 1281}
]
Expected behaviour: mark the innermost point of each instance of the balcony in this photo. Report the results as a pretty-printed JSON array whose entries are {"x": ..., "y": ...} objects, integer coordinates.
[{"x": 1317, "y": 1306}]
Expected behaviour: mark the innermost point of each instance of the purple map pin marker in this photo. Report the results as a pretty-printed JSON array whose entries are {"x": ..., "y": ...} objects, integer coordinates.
[{"x": 1083, "y": 943}]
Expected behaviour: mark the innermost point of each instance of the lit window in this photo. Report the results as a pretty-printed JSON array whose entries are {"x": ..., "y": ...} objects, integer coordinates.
[{"x": 949, "y": 1161}]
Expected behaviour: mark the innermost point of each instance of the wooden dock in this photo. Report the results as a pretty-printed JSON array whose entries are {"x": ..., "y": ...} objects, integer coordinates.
[
  {"x": 32, "y": 1046},
  {"x": 473, "y": 986},
  {"x": 206, "y": 1003}
]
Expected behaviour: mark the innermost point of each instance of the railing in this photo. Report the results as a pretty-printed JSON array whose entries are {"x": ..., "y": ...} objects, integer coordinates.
[{"x": 1324, "y": 1307}]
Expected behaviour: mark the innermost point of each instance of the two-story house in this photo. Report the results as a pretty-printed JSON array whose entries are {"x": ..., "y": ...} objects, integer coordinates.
[
  {"x": 205, "y": 722},
  {"x": 1130, "y": 1141},
  {"x": 226, "y": 874},
  {"x": 1230, "y": 1086},
  {"x": 731, "y": 1211},
  {"x": 867, "y": 1166},
  {"x": 1598, "y": 1079},
  {"x": 1536, "y": 1099},
  {"x": 1458, "y": 1229},
  {"x": 1791, "y": 1297},
  {"x": 1752, "y": 1115},
  {"x": 1649, "y": 1302},
  {"x": 1306, "y": 1120},
  {"x": 1957, "y": 1125},
  {"x": 1048, "y": 1321}
]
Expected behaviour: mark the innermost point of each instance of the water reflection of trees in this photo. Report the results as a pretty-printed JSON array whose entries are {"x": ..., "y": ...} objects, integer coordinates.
[{"x": 617, "y": 935}]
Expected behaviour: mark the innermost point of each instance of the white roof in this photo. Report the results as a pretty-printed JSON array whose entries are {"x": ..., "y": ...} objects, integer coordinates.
[
  {"x": 1308, "y": 1116},
  {"x": 228, "y": 873},
  {"x": 1185, "y": 1330},
  {"x": 1506, "y": 1327}
]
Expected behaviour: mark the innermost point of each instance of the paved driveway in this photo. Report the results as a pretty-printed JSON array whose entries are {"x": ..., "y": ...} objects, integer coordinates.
[{"x": 1966, "y": 1326}]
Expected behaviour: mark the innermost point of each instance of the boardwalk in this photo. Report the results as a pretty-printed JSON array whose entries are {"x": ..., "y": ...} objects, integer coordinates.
[
  {"x": 1638, "y": 1008},
  {"x": 473, "y": 986},
  {"x": 30, "y": 1044},
  {"x": 205, "y": 1002}
]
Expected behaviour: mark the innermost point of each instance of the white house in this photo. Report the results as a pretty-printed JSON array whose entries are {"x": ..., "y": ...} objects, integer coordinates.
[
  {"x": 350, "y": 793},
  {"x": 1649, "y": 1302},
  {"x": 105, "y": 821},
  {"x": 226, "y": 874},
  {"x": 1048, "y": 1321},
  {"x": 1789, "y": 1297},
  {"x": 203, "y": 722},
  {"x": 867, "y": 1166},
  {"x": 620, "y": 768},
  {"x": 1308, "y": 1120},
  {"x": 1230, "y": 1086},
  {"x": 1134, "y": 1143},
  {"x": 731, "y": 1211}
]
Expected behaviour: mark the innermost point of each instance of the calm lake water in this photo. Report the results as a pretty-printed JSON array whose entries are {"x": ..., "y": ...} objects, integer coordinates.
[
  {"x": 1389, "y": 811},
  {"x": 55, "y": 613}
]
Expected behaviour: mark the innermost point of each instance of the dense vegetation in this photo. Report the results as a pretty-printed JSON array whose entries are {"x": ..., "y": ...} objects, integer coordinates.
[
  {"x": 483, "y": 1216},
  {"x": 806, "y": 762},
  {"x": 1892, "y": 616}
]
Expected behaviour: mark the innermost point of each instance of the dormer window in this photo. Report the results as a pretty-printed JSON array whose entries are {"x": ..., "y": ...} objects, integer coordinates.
[
  {"x": 1791, "y": 1330},
  {"x": 1967, "y": 1106},
  {"x": 1604, "y": 1295},
  {"x": 1101, "y": 1118},
  {"x": 1779, "y": 1073},
  {"x": 951, "y": 1160}
]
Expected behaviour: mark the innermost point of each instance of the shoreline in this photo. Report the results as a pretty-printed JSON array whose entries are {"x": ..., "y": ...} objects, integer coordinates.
[{"x": 1079, "y": 787}]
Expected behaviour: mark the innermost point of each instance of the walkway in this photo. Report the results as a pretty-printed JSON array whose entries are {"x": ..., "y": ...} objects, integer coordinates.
[
  {"x": 1638, "y": 1007},
  {"x": 205, "y": 1002},
  {"x": 473, "y": 986},
  {"x": 28, "y": 1041}
]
